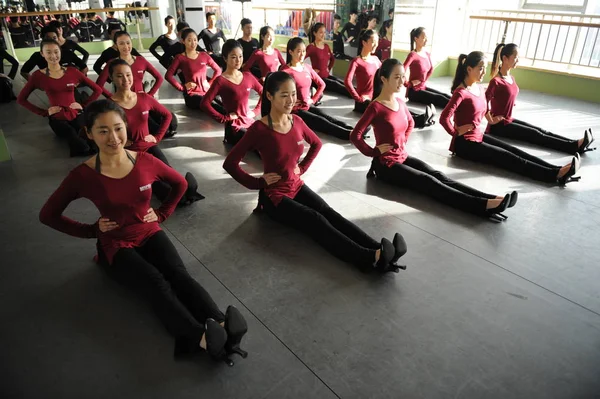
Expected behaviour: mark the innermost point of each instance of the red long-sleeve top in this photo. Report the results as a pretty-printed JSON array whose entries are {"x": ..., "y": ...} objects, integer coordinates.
[
  {"x": 280, "y": 154},
  {"x": 321, "y": 59},
  {"x": 60, "y": 92},
  {"x": 384, "y": 48},
  {"x": 365, "y": 73},
  {"x": 266, "y": 62},
  {"x": 304, "y": 80},
  {"x": 466, "y": 108},
  {"x": 138, "y": 68},
  {"x": 389, "y": 126},
  {"x": 194, "y": 71},
  {"x": 235, "y": 99},
  {"x": 501, "y": 97},
  {"x": 420, "y": 68},
  {"x": 125, "y": 201},
  {"x": 137, "y": 122}
]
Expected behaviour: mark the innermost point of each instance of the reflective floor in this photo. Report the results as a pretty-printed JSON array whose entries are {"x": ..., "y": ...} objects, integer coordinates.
[{"x": 485, "y": 310}]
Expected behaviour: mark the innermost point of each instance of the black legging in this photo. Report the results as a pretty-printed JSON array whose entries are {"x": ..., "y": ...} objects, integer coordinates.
[
  {"x": 429, "y": 96},
  {"x": 69, "y": 130},
  {"x": 336, "y": 85},
  {"x": 361, "y": 107},
  {"x": 310, "y": 214},
  {"x": 320, "y": 121},
  {"x": 496, "y": 152},
  {"x": 194, "y": 102},
  {"x": 233, "y": 135},
  {"x": 155, "y": 119},
  {"x": 156, "y": 271},
  {"x": 519, "y": 130},
  {"x": 422, "y": 178}
]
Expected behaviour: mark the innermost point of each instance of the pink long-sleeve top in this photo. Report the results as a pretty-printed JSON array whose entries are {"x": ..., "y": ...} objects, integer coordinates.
[
  {"x": 279, "y": 153},
  {"x": 465, "y": 108},
  {"x": 138, "y": 68},
  {"x": 420, "y": 68},
  {"x": 304, "y": 80},
  {"x": 501, "y": 96},
  {"x": 125, "y": 201},
  {"x": 137, "y": 122},
  {"x": 194, "y": 71},
  {"x": 235, "y": 100},
  {"x": 266, "y": 62},
  {"x": 365, "y": 71},
  {"x": 320, "y": 59},
  {"x": 389, "y": 126},
  {"x": 60, "y": 92}
]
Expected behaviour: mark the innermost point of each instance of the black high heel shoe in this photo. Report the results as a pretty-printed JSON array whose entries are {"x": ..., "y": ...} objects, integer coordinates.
[
  {"x": 191, "y": 194},
  {"x": 216, "y": 338},
  {"x": 388, "y": 251},
  {"x": 496, "y": 213},
  {"x": 236, "y": 327},
  {"x": 400, "y": 249},
  {"x": 514, "y": 196},
  {"x": 568, "y": 177}
]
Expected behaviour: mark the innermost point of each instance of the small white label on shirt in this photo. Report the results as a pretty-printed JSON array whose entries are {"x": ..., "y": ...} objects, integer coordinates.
[
  {"x": 146, "y": 187},
  {"x": 203, "y": 63},
  {"x": 248, "y": 89},
  {"x": 301, "y": 142},
  {"x": 145, "y": 112},
  {"x": 140, "y": 71},
  {"x": 70, "y": 84}
]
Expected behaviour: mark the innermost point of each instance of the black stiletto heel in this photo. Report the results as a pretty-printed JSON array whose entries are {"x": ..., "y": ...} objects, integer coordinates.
[
  {"x": 388, "y": 252},
  {"x": 514, "y": 196},
  {"x": 496, "y": 213},
  {"x": 568, "y": 177},
  {"x": 216, "y": 338},
  {"x": 236, "y": 327},
  {"x": 400, "y": 247}
]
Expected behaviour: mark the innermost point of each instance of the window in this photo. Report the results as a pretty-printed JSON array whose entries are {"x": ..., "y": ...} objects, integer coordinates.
[{"x": 576, "y": 6}]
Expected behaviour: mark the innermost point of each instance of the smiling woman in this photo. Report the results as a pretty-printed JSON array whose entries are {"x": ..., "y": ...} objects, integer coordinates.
[
  {"x": 132, "y": 248},
  {"x": 279, "y": 138},
  {"x": 467, "y": 108},
  {"x": 59, "y": 83}
]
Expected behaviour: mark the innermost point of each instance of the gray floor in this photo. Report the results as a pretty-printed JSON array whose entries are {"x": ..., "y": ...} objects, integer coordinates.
[{"x": 485, "y": 310}]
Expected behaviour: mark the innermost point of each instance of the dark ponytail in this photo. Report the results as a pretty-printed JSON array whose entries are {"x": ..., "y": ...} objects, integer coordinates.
[
  {"x": 273, "y": 82},
  {"x": 414, "y": 34},
  {"x": 384, "y": 72},
  {"x": 313, "y": 31},
  {"x": 292, "y": 45},
  {"x": 464, "y": 61},
  {"x": 263, "y": 31},
  {"x": 364, "y": 36},
  {"x": 384, "y": 27},
  {"x": 100, "y": 107},
  {"x": 502, "y": 50}
]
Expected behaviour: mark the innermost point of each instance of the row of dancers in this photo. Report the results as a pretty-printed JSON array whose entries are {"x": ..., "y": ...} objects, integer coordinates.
[{"x": 127, "y": 166}]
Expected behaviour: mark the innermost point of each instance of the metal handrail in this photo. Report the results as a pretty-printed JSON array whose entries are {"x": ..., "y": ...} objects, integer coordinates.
[
  {"x": 554, "y": 14},
  {"x": 535, "y": 21},
  {"x": 547, "y": 40}
]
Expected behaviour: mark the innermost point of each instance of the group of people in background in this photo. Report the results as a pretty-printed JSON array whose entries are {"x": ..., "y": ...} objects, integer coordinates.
[{"x": 121, "y": 134}]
